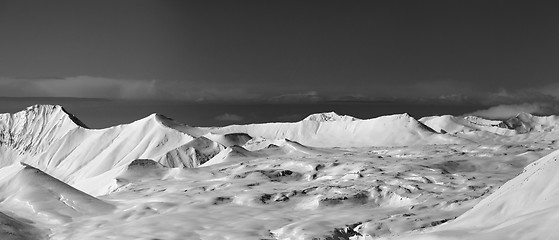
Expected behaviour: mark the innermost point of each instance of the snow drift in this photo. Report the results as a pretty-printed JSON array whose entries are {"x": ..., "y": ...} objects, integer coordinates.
[
  {"x": 31, "y": 191},
  {"x": 155, "y": 173},
  {"x": 525, "y": 207}
]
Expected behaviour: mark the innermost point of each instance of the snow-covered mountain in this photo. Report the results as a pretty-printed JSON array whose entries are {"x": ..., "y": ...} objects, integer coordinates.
[
  {"x": 48, "y": 138},
  {"x": 331, "y": 130},
  {"x": 346, "y": 177},
  {"x": 49, "y": 198},
  {"x": 525, "y": 207},
  {"x": 33, "y": 130},
  {"x": 520, "y": 124},
  {"x": 525, "y": 122},
  {"x": 329, "y": 116}
]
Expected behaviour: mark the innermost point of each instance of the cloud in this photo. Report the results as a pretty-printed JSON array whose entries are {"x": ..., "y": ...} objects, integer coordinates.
[
  {"x": 82, "y": 86},
  {"x": 109, "y": 88},
  {"x": 228, "y": 117},
  {"x": 439, "y": 88},
  {"x": 503, "y": 96},
  {"x": 508, "y": 111},
  {"x": 311, "y": 96},
  {"x": 548, "y": 89},
  {"x": 456, "y": 91},
  {"x": 447, "y": 90}
]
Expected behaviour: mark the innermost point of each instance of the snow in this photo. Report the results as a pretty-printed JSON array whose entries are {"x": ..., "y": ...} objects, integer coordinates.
[
  {"x": 394, "y": 130},
  {"x": 329, "y": 116},
  {"x": 521, "y": 123},
  {"x": 523, "y": 208},
  {"x": 32, "y": 192},
  {"x": 48, "y": 138},
  {"x": 325, "y": 177}
]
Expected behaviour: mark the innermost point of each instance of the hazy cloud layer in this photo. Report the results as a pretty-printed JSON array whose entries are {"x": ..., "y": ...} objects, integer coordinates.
[
  {"x": 503, "y": 96},
  {"x": 82, "y": 86},
  {"x": 229, "y": 117},
  {"x": 311, "y": 96},
  {"x": 108, "y": 88},
  {"x": 549, "y": 90},
  {"x": 508, "y": 111},
  {"x": 200, "y": 91},
  {"x": 98, "y": 87}
]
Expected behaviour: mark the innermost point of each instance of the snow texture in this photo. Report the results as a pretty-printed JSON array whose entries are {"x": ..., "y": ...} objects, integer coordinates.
[{"x": 325, "y": 177}]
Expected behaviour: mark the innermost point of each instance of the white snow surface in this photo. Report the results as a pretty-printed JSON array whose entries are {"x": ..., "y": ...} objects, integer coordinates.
[
  {"x": 522, "y": 123},
  {"x": 329, "y": 116},
  {"x": 47, "y": 138},
  {"x": 525, "y": 207},
  {"x": 328, "y": 130},
  {"x": 325, "y": 177}
]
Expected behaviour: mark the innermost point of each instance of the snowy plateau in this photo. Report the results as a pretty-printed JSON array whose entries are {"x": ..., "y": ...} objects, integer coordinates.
[{"x": 325, "y": 177}]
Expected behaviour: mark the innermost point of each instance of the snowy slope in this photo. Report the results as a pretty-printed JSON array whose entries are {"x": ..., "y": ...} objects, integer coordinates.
[
  {"x": 48, "y": 138},
  {"x": 446, "y": 123},
  {"x": 520, "y": 124},
  {"x": 84, "y": 153},
  {"x": 453, "y": 124},
  {"x": 329, "y": 117},
  {"x": 147, "y": 179},
  {"x": 34, "y": 193},
  {"x": 33, "y": 130},
  {"x": 256, "y": 149},
  {"x": 342, "y": 131},
  {"x": 525, "y": 207},
  {"x": 525, "y": 122},
  {"x": 191, "y": 154}
]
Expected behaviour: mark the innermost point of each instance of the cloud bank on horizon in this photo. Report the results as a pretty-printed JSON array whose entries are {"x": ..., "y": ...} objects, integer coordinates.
[
  {"x": 501, "y": 104},
  {"x": 229, "y": 117},
  {"x": 199, "y": 91},
  {"x": 508, "y": 111},
  {"x": 111, "y": 88}
]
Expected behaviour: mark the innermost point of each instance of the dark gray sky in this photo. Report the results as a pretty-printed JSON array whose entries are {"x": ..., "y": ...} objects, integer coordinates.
[
  {"x": 244, "y": 49},
  {"x": 489, "y": 52}
]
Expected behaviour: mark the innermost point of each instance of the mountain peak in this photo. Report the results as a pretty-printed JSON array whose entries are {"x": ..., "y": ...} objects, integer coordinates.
[
  {"x": 46, "y": 111},
  {"x": 36, "y": 127},
  {"x": 329, "y": 117}
]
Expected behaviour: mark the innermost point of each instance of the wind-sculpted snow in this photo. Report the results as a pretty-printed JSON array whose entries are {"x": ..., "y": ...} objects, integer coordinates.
[
  {"x": 525, "y": 207},
  {"x": 31, "y": 192},
  {"x": 452, "y": 124},
  {"x": 230, "y": 139},
  {"x": 19, "y": 229},
  {"x": 375, "y": 192},
  {"x": 47, "y": 137},
  {"x": 85, "y": 153},
  {"x": 520, "y": 124},
  {"x": 394, "y": 130},
  {"x": 325, "y": 177},
  {"x": 191, "y": 154},
  {"x": 34, "y": 129},
  {"x": 273, "y": 148},
  {"x": 329, "y": 116},
  {"x": 525, "y": 122}
]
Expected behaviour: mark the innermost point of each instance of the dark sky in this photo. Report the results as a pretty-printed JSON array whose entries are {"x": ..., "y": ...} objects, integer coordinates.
[{"x": 489, "y": 52}]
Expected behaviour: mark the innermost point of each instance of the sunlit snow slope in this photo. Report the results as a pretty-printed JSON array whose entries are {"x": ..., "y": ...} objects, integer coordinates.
[
  {"x": 332, "y": 130},
  {"x": 46, "y": 137},
  {"x": 522, "y": 123},
  {"x": 526, "y": 207},
  {"x": 325, "y": 177}
]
